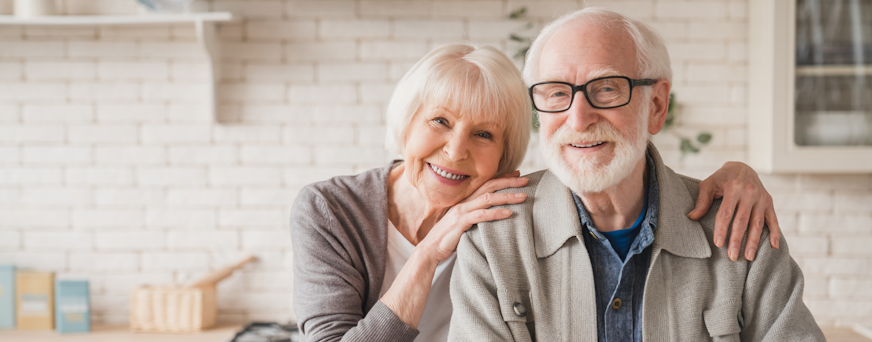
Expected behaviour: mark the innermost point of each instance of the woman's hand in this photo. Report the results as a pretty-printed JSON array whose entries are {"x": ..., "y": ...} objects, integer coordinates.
[
  {"x": 743, "y": 196},
  {"x": 407, "y": 296},
  {"x": 442, "y": 240}
]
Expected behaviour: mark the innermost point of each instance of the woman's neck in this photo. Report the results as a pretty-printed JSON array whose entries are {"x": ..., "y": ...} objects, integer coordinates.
[{"x": 415, "y": 217}]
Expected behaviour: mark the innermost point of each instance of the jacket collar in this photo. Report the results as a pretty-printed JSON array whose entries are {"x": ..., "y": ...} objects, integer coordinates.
[{"x": 555, "y": 218}]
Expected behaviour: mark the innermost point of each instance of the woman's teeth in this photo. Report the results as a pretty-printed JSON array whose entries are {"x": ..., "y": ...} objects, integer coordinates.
[
  {"x": 591, "y": 145},
  {"x": 446, "y": 174}
]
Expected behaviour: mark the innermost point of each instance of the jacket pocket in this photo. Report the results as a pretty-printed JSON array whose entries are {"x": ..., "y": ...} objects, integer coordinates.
[
  {"x": 722, "y": 321},
  {"x": 517, "y": 310}
]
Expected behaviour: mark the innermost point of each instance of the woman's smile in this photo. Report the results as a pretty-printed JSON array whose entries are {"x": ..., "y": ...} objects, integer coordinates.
[
  {"x": 441, "y": 142},
  {"x": 447, "y": 176}
]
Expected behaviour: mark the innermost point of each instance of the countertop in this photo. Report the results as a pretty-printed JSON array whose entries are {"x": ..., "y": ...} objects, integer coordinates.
[
  {"x": 119, "y": 334},
  {"x": 225, "y": 333}
]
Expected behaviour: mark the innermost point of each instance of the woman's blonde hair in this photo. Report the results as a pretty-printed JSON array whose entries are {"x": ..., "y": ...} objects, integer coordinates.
[{"x": 476, "y": 80}]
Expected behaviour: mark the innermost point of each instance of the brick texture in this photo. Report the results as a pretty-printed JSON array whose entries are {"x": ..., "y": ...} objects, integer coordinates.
[{"x": 109, "y": 172}]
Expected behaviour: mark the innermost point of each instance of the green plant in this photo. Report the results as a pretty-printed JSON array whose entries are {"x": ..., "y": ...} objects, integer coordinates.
[
  {"x": 686, "y": 145},
  {"x": 525, "y": 42}
]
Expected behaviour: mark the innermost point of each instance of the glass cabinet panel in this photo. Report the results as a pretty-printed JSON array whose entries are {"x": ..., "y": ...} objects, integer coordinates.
[{"x": 833, "y": 94}]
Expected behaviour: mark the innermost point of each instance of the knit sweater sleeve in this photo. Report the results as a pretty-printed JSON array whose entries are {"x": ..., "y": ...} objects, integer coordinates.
[{"x": 330, "y": 289}]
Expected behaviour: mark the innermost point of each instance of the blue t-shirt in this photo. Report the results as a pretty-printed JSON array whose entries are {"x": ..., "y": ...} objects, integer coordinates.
[{"x": 622, "y": 240}]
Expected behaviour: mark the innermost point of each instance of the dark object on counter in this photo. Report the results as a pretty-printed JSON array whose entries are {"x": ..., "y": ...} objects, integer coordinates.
[{"x": 268, "y": 332}]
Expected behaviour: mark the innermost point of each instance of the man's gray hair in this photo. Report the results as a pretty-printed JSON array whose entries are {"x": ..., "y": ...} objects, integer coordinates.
[{"x": 652, "y": 57}]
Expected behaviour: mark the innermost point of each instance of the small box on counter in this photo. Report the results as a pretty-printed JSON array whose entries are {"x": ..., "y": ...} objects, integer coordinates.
[
  {"x": 35, "y": 295},
  {"x": 73, "y": 307},
  {"x": 7, "y": 297}
]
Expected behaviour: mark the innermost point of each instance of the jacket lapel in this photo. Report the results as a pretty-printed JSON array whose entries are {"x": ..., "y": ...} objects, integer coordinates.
[
  {"x": 676, "y": 233},
  {"x": 572, "y": 309},
  {"x": 555, "y": 218}
]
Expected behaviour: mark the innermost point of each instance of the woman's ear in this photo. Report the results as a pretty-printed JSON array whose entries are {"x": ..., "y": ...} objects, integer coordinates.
[{"x": 659, "y": 106}]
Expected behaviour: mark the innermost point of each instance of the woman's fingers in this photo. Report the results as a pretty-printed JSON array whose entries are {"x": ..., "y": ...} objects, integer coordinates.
[
  {"x": 497, "y": 184},
  {"x": 450, "y": 238},
  {"x": 489, "y": 199},
  {"x": 484, "y": 215},
  {"x": 774, "y": 228},
  {"x": 515, "y": 173},
  {"x": 722, "y": 220},
  {"x": 740, "y": 224},
  {"x": 754, "y": 232},
  {"x": 707, "y": 193}
]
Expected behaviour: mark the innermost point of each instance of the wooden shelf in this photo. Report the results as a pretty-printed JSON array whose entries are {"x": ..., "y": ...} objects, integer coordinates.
[
  {"x": 204, "y": 23},
  {"x": 119, "y": 333},
  {"x": 833, "y": 70},
  {"x": 143, "y": 19}
]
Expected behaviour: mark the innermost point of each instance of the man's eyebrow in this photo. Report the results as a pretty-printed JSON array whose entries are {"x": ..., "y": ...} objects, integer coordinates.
[
  {"x": 561, "y": 76},
  {"x": 603, "y": 72},
  {"x": 596, "y": 73}
]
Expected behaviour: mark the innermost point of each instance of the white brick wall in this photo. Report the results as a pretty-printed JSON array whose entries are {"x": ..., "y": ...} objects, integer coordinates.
[{"x": 108, "y": 171}]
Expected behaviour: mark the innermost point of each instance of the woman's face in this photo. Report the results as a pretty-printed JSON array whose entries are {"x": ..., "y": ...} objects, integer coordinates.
[{"x": 449, "y": 154}]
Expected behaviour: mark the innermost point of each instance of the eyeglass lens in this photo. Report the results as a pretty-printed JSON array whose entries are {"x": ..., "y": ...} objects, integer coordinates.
[{"x": 602, "y": 93}]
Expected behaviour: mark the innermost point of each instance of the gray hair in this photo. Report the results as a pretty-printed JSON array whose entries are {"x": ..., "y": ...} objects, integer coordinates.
[
  {"x": 651, "y": 55},
  {"x": 482, "y": 81}
]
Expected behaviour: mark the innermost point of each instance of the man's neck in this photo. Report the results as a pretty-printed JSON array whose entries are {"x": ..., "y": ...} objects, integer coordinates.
[{"x": 618, "y": 207}]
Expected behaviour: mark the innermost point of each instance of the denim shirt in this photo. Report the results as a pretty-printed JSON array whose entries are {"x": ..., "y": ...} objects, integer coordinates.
[{"x": 620, "y": 284}]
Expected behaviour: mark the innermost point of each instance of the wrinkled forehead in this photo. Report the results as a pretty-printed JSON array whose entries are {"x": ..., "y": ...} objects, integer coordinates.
[{"x": 584, "y": 50}]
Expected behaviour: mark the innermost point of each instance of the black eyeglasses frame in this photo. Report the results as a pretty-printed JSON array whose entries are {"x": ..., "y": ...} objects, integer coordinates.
[{"x": 581, "y": 88}]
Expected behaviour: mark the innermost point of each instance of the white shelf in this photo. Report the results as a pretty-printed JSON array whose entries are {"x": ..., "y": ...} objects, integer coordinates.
[
  {"x": 833, "y": 70},
  {"x": 142, "y": 19},
  {"x": 204, "y": 24}
]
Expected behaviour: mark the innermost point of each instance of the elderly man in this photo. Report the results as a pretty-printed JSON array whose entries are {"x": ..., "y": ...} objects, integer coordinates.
[{"x": 565, "y": 266}]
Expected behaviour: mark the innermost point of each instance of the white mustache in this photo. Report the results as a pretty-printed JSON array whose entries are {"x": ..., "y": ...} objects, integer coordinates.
[{"x": 601, "y": 131}]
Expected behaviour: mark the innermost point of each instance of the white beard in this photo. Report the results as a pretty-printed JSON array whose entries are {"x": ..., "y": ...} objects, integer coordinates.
[{"x": 593, "y": 174}]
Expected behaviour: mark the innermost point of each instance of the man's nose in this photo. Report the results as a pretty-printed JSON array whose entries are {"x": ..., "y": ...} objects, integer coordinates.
[
  {"x": 456, "y": 148},
  {"x": 581, "y": 113}
]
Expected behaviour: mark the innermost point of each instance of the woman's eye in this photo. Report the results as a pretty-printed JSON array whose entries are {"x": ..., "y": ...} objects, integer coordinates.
[
  {"x": 486, "y": 135},
  {"x": 441, "y": 121},
  {"x": 559, "y": 94},
  {"x": 607, "y": 89}
]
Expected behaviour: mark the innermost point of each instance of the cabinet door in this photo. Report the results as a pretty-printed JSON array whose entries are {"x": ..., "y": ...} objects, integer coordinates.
[
  {"x": 833, "y": 89},
  {"x": 810, "y": 85}
]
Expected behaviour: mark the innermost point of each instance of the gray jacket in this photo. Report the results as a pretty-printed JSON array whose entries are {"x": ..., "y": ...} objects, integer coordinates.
[
  {"x": 339, "y": 233},
  {"x": 529, "y": 277}
]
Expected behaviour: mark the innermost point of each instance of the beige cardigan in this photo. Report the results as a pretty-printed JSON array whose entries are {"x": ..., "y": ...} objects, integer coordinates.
[{"x": 529, "y": 277}]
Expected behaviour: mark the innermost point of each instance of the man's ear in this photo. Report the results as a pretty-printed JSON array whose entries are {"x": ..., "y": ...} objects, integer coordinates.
[{"x": 659, "y": 106}]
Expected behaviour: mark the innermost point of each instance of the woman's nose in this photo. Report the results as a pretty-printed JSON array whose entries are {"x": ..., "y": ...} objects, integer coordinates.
[{"x": 456, "y": 148}]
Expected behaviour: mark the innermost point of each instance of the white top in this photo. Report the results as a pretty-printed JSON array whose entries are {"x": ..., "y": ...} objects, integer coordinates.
[{"x": 437, "y": 313}]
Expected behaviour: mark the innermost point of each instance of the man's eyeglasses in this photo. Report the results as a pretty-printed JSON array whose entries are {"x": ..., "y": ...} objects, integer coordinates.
[{"x": 603, "y": 93}]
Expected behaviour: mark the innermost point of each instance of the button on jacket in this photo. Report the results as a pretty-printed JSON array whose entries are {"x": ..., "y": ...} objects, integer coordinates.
[{"x": 693, "y": 291}]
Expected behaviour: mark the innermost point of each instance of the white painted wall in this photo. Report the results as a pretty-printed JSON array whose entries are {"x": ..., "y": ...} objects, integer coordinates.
[{"x": 107, "y": 174}]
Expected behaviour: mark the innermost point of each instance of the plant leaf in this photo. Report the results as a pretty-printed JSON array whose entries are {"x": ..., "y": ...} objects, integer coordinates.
[
  {"x": 522, "y": 53},
  {"x": 704, "y": 137},
  {"x": 518, "y": 13},
  {"x": 687, "y": 146},
  {"x": 670, "y": 112},
  {"x": 535, "y": 121},
  {"x": 516, "y": 38}
]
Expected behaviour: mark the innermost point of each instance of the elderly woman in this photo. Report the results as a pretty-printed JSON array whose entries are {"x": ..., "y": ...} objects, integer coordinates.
[{"x": 373, "y": 253}]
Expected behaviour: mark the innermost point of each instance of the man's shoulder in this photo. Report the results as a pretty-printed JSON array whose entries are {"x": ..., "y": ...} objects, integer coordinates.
[
  {"x": 506, "y": 234},
  {"x": 524, "y": 208}
]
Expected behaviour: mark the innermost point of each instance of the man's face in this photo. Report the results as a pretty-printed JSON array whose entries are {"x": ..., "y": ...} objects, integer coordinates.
[{"x": 592, "y": 149}]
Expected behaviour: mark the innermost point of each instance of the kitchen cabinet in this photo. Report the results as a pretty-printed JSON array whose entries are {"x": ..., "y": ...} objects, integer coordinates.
[{"x": 810, "y": 86}]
